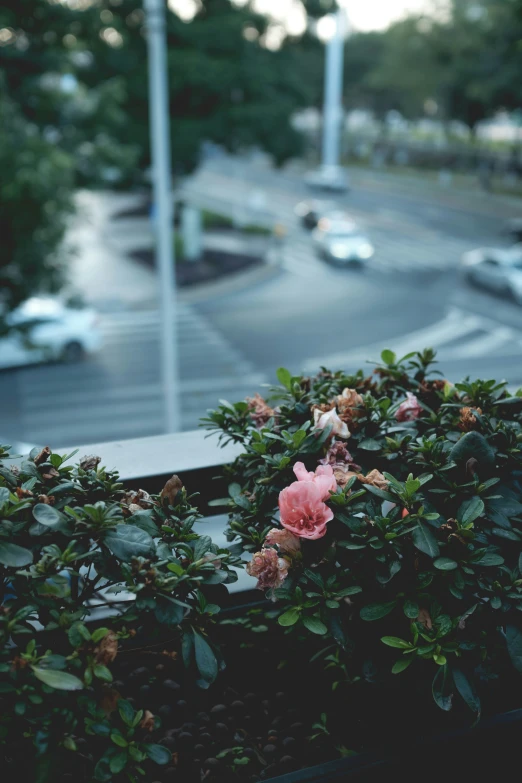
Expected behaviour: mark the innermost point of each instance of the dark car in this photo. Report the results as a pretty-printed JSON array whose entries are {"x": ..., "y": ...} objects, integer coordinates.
[{"x": 311, "y": 212}]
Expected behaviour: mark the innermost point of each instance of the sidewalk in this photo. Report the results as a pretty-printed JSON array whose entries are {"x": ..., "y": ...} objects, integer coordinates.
[{"x": 100, "y": 269}]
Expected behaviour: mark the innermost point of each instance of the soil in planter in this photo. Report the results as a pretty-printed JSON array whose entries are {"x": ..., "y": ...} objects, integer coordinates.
[
  {"x": 213, "y": 265},
  {"x": 271, "y": 711}
]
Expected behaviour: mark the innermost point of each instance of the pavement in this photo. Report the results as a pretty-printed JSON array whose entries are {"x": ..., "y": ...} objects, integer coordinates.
[{"x": 300, "y": 312}]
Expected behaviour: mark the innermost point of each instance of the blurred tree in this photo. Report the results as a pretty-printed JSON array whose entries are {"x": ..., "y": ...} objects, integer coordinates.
[
  {"x": 35, "y": 201},
  {"x": 227, "y": 83},
  {"x": 41, "y": 58}
]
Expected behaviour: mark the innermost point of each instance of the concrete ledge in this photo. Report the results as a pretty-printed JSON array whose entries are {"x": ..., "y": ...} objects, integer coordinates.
[{"x": 161, "y": 455}]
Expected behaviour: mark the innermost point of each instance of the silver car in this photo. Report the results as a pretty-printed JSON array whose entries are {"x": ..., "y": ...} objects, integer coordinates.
[
  {"x": 338, "y": 239},
  {"x": 498, "y": 269}
]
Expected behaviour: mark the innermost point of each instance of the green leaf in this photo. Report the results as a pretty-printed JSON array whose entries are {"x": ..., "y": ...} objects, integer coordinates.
[
  {"x": 14, "y": 556},
  {"x": 102, "y": 673},
  {"x": 442, "y": 688},
  {"x": 143, "y": 520},
  {"x": 158, "y": 754},
  {"x": 394, "y": 641},
  {"x": 289, "y": 618},
  {"x": 126, "y": 711},
  {"x": 62, "y": 681},
  {"x": 445, "y": 564},
  {"x": 514, "y": 646},
  {"x": 370, "y": 444},
  {"x": 490, "y": 559},
  {"x": 467, "y": 691},
  {"x": 102, "y": 771},
  {"x": 475, "y": 445},
  {"x": 205, "y": 658},
  {"x": 284, "y": 377},
  {"x": 119, "y": 740},
  {"x": 349, "y": 591},
  {"x": 127, "y": 541},
  {"x": 388, "y": 357},
  {"x": 118, "y": 762},
  {"x": 376, "y": 611},
  {"x": 425, "y": 541},
  {"x": 402, "y": 664},
  {"x": 49, "y": 516},
  {"x": 314, "y": 625},
  {"x": 471, "y": 510},
  {"x": 202, "y": 546},
  {"x": 99, "y": 634},
  {"x": 4, "y": 495},
  {"x": 168, "y": 611},
  {"x": 411, "y": 609}
]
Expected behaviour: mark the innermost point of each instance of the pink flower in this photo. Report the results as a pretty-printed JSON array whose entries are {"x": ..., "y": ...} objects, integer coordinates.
[
  {"x": 286, "y": 541},
  {"x": 269, "y": 569},
  {"x": 323, "y": 478},
  {"x": 303, "y": 511},
  {"x": 409, "y": 410},
  {"x": 331, "y": 418}
]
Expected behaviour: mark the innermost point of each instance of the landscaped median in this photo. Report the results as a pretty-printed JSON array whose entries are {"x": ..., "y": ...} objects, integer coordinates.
[
  {"x": 381, "y": 515},
  {"x": 226, "y": 249}
]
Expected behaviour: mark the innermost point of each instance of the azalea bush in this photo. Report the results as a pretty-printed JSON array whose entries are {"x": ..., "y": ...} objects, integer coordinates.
[
  {"x": 383, "y": 513},
  {"x": 88, "y": 572}
]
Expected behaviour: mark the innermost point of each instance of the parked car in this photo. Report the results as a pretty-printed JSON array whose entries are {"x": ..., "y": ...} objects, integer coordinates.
[
  {"x": 45, "y": 329},
  {"x": 310, "y": 212},
  {"x": 339, "y": 239},
  {"x": 330, "y": 178},
  {"x": 499, "y": 269}
]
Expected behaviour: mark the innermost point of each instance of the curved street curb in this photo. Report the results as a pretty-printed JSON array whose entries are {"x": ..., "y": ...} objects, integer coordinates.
[{"x": 231, "y": 284}]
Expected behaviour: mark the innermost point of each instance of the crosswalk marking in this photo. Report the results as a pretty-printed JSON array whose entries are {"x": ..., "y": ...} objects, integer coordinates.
[
  {"x": 74, "y": 403},
  {"x": 457, "y": 325}
]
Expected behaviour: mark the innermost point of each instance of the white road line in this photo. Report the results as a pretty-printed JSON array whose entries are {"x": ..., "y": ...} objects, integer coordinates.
[
  {"x": 481, "y": 346},
  {"x": 453, "y": 326}
]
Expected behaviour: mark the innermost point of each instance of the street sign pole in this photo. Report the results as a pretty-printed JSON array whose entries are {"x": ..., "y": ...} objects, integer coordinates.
[
  {"x": 162, "y": 189},
  {"x": 333, "y": 89}
]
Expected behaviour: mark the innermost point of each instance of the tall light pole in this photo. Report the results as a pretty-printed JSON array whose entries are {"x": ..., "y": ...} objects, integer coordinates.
[
  {"x": 162, "y": 190},
  {"x": 333, "y": 91}
]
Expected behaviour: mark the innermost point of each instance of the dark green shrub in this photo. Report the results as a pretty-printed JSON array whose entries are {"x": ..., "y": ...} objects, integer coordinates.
[
  {"x": 72, "y": 540},
  {"x": 416, "y": 544}
]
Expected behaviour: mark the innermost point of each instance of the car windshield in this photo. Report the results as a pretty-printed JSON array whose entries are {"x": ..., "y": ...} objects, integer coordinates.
[{"x": 346, "y": 234}]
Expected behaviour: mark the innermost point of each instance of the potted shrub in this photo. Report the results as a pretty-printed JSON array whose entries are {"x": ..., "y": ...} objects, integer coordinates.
[
  {"x": 384, "y": 518},
  {"x": 93, "y": 581},
  {"x": 381, "y": 516}
]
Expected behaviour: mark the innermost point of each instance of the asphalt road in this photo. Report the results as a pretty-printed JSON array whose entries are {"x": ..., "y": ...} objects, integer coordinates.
[{"x": 409, "y": 296}]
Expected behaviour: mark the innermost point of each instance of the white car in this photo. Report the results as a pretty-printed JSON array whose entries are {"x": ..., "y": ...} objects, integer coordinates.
[
  {"x": 499, "y": 269},
  {"x": 44, "y": 329},
  {"x": 330, "y": 178},
  {"x": 338, "y": 238}
]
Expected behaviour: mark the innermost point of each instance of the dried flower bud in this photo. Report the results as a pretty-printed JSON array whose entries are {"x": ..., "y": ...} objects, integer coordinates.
[
  {"x": 147, "y": 722},
  {"x": 49, "y": 500},
  {"x": 89, "y": 462},
  {"x": 23, "y": 493},
  {"x": 137, "y": 501},
  {"x": 43, "y": 456},
  {"x": 107, "y": 650},
  {"x": 50, "y": 474},
  {"x": 468, "y": 421},
  {"x": 171, "y": 489}
]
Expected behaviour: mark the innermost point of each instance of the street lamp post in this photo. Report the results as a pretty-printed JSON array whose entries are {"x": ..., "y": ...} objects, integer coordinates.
[
  {"x": 333, "y": 89},
  {"x": 162, "y": 189}
]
